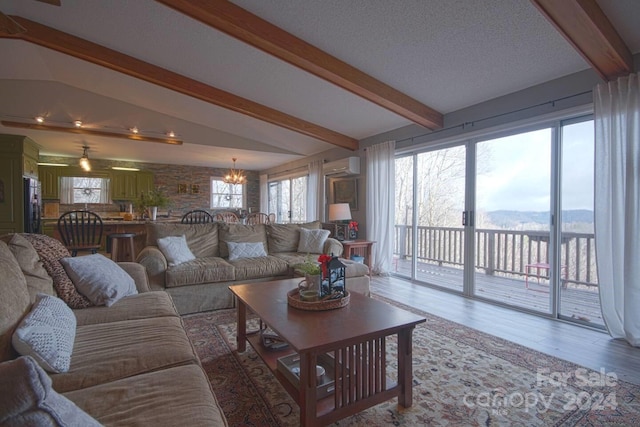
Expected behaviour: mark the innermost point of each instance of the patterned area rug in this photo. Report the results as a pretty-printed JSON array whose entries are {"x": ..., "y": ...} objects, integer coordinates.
[{"x": 462, "y": 377}]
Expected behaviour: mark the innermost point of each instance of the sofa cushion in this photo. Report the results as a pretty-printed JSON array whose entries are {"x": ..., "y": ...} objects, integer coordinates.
[
  {"x": 29, "y": 400},
  {"x": 201, "y": 238},
  {"x": 38, "y": 280},
  {"x": 312, "y": 241},
  {"x": 140, "y": 306},
  {"x": 245, "y": 250},
  {"x": 258, "y": 268},
  {"x": 241, "y": 233},
  {"x": 111, "y": 351},
  {"x": 51, "y": 251},
  {"x": 175, "y": 249},
  {"x": 14, "y": 299},
  {"x": 170, "y": 397},
  {"x": 285, "y": 237},
  {"x": 47, "y": 334},
  {"x": 200, "y": 270},
  {"x": 98, "y": 278}
]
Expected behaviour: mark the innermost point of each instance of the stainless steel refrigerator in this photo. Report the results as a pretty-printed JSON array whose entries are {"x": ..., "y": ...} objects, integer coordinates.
[{"x": 32, "y": 212}]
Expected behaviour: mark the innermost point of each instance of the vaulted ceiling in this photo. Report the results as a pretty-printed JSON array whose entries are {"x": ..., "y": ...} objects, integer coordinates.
[{"x": 271, "y": 81}]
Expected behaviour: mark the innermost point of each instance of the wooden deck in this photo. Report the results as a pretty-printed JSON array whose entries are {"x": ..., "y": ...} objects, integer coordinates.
[{"x": 580, "y": 304}]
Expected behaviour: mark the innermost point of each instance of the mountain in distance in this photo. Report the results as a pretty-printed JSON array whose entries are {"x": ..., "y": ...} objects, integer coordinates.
[{"x": 512, "y": 219}]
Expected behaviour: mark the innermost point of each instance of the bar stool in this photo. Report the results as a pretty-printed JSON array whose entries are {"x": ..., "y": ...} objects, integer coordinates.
[{"x": 112, "y": 245}]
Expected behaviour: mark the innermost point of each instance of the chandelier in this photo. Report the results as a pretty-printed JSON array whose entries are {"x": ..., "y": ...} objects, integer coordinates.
[
  {"x": 84, "y": 160},
  {"x": 235, "y": 176}
]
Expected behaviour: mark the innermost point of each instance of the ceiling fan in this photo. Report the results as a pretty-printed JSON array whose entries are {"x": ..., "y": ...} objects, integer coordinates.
[{"x": 9, "y": 26}]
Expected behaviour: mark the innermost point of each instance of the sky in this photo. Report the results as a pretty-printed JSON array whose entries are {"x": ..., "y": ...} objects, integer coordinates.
[{"x": 515, "y": 173}]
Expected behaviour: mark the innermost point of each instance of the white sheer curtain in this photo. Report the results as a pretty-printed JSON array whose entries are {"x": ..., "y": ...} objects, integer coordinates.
[
  {"x": 315, "y": 191},
  {"x": 381, "y": 204},
  {"x": 617, "y": 204},
  {"x": 264, "y": 193}
]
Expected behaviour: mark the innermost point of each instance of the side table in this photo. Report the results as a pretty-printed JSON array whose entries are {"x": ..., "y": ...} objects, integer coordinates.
[{"x": 358, "y": 247}]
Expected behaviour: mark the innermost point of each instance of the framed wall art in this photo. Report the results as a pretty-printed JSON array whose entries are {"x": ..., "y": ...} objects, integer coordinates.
[{"x": 346, "y": 191}]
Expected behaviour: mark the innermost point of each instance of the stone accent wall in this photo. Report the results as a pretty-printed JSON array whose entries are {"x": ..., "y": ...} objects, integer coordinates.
[{"x": 167, "y": 177}]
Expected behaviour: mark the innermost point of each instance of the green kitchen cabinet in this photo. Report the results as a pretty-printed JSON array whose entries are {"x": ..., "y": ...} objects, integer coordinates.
[
  {"x": 145, "y": 183},
  {"x": 18, "y": 160},
  {"x": 124, "y": 185},
  {"x": 50, "y": 181}
]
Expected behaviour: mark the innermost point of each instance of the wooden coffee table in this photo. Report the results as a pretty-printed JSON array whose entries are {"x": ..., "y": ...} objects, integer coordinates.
[{"x": 355, "y": 336}]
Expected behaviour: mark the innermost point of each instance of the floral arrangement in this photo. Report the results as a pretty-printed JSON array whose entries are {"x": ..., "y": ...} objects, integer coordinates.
[
  {"x": 353, "y": 225},
  {"x": 324, "y": 262}
]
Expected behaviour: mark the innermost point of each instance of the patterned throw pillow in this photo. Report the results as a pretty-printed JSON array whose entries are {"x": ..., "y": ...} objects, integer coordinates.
[
  {"x": 51, "y": 251},
  {"x": 245, "y": 250},
  {"x": 47, "y": 334},
  {"x": 312, "y": 241},
  {"x": 175, "y": 249}
]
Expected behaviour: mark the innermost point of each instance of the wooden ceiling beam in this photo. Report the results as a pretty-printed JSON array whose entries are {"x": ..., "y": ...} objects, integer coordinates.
[
  {"x": 103, "y": 56},
  {"x": 590, "y": 32},
  {"x": 251, "y": 29}
]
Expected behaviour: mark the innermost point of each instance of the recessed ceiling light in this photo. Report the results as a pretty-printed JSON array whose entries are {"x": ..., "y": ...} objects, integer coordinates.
[
  {"x": 171, "y": 134},
  {"x": 39, "y": 119},
  {"x": 134, "y": 129},
  {"x": 77, "y": 124}
]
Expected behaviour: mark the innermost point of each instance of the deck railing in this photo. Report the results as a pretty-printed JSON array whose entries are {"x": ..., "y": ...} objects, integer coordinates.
[{"x": 510, "y": 253}]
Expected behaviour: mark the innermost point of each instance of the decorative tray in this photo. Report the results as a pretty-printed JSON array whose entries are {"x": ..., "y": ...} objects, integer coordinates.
[{"x": 293, "y": 298}]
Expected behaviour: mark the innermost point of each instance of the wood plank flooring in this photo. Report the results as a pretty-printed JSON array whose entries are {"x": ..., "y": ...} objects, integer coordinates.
[{"x": 587, "y": 347}]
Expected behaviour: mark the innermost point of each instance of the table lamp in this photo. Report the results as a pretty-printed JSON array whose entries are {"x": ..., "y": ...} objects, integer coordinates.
[{"x": 338, "y": 213}]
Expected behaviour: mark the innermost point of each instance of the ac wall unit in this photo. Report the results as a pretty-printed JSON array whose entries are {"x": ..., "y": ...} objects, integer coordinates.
[{"x": 342, "y": 167}]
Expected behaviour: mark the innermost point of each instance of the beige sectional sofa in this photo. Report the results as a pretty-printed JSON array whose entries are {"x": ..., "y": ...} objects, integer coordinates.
[
  {"x": 201, "y": 284},
  {"x": 132, "y": 363}
]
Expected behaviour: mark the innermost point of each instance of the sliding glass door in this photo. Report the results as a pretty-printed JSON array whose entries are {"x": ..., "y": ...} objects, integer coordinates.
[
  {"x": 507, "y": 219},
  {"x": 579, "y": 298},
  {"x": 433, "y": 251},
  {"x": 288, "y": 199},
  {"x": 512, "y": 220}
]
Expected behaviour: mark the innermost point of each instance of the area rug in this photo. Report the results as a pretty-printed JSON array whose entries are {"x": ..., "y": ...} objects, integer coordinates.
[{"x": 462, "y": 377}]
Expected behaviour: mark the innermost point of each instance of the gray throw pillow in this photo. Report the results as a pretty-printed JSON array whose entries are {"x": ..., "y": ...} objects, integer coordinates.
[
  {"x": 47, "y": 334},
  {"x": 175, "y": 249},
  {"x": 99, "y": 279},
  {"x": 312, "y": 241},
  {"x": 245, "y": 250},
  {"x": 28, "y": 399}
]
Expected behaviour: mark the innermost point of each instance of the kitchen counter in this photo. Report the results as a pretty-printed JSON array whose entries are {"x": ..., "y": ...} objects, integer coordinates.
[{"x": 110, "y": 226}]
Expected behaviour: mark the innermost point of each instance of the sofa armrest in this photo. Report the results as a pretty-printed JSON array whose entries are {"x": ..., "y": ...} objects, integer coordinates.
[
  {"x": 333, "y": 246},
  {"x": 139, "y": 274},
  {"x": 156, "y": 264}
]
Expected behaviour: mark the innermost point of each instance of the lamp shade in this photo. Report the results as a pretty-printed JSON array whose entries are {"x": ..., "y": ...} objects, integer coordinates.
[{"x": 339, "y": 212}]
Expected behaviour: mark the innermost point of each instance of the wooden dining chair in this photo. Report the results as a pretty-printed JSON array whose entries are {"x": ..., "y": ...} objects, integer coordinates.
[
  {"x": 196, "y": 216},
  {"x": 81, "y": 231},
  {"x": 272, "y": 218},
  {"x": 228, "y": 217},
  {"x": 257, "y": 218}
]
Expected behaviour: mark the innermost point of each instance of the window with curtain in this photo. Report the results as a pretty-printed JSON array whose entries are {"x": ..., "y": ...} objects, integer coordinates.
[
  {"x": 84, "y": 189},
  {"x": 288, "y": 199},
  {"x": 226, "y": 196}
]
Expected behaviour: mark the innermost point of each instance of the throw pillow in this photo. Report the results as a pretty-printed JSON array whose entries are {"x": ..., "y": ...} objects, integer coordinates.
[
  {"x": 245, "y": 250},
  {"x": 98, "y": 278},
  {"x": 29, "y": 400},
  {"x": 312, "y": 241},
  {"x": 47, "y": 334},
  {"x": 14, "y": 300},
  {"x": 38, "y": 280},
  {"x": 175, "y": 250},
  {"x": 51, "y": 251}
]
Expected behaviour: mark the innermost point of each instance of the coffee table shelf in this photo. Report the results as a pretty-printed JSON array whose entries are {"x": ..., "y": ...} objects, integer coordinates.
[{"x": 355, "y": 336}]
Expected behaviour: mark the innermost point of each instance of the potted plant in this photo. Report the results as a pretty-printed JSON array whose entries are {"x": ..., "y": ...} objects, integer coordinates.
[
  {"x": 150, "y": 202},
  {"x": 312, "y": 273}
]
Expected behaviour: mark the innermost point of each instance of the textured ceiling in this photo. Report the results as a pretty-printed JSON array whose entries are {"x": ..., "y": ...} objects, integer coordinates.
[{"x": 446, "y": 54}]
